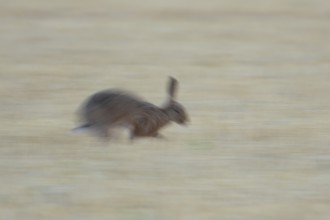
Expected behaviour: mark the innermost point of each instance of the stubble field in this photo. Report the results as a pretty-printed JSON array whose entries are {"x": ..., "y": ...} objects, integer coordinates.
[{"x": 254, "y": 77}]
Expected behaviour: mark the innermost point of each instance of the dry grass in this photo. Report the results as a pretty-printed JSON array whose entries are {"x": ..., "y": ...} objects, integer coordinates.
[{"x": 254, "y": 76}]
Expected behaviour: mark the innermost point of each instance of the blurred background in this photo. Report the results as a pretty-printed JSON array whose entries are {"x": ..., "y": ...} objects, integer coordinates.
[{"x": 254, "y": 77}]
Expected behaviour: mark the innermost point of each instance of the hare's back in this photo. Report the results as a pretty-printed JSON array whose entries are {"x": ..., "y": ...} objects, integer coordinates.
[{"x": 110, "y": 106}]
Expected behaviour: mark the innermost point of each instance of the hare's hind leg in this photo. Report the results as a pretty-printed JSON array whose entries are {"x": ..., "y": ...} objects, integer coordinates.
[
  {"x": 131, "y": 134},
  {"x": 102, "y": 132},
  {"x": 81, "y": 129}
]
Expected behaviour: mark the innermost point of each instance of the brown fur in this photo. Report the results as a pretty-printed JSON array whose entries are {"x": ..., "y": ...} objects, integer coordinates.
[{"x": 114, "y": 108}]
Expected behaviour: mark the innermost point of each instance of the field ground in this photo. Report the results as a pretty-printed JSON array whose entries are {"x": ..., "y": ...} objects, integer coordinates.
[{"x": 254, "y": 76}]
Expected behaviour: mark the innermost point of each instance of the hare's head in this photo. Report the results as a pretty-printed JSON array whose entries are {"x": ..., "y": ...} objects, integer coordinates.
[
  {"x": 175, "y": 110},
  {"x": 177, "y": 113}
]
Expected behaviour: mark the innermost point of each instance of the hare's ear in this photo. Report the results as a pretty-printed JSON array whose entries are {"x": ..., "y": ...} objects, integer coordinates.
[{"x": 172, "y": 87}]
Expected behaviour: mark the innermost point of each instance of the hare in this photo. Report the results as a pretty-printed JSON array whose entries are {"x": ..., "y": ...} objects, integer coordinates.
[{"x": 114, "y": 108}]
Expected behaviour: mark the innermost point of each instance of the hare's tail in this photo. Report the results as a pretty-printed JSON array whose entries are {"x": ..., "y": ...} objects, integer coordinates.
[{"x": 82, "y": 129}]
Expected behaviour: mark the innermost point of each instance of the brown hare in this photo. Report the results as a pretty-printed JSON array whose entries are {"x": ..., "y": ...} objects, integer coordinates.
[{"x": 114, "y": 108}]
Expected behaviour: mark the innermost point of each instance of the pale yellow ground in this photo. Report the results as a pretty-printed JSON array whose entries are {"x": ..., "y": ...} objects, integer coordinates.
[{"x": 255, "y": 77}]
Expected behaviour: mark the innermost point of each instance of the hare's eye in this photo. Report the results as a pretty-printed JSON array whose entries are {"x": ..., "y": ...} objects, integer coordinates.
[{"x": 177, "y": 111}]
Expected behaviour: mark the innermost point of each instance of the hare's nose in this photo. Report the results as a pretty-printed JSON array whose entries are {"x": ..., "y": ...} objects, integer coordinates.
[{"x": 185, "y": 122}]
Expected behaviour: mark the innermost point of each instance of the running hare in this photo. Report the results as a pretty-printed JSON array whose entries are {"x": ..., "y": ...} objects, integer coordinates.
[{"x": 114, "y": 108}]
